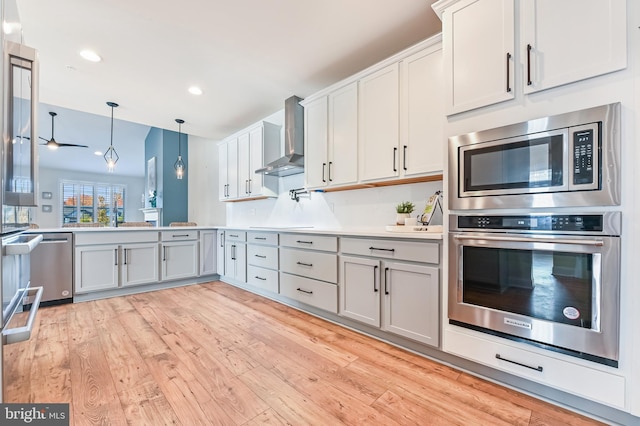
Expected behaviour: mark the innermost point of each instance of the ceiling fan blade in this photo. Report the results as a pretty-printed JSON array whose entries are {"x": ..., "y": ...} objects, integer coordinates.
[{"x": 73, "y": 144}]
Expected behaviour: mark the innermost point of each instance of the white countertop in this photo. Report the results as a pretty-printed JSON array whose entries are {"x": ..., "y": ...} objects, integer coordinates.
[{"x": 433, "y": 232}]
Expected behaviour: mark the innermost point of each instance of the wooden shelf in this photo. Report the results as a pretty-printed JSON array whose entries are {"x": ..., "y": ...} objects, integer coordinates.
[{"x": 433, "y": 178}]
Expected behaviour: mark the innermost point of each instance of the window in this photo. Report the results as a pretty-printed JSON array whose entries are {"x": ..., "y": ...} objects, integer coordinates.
[{"x": 92, "y": 202}]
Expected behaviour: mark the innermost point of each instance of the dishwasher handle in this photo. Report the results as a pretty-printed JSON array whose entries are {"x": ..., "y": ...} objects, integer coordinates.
[{"x": 20, "y": 334}]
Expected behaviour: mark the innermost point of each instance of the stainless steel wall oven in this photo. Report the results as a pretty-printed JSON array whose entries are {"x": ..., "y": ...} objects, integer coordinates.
[{"x": 548, "y": 279}]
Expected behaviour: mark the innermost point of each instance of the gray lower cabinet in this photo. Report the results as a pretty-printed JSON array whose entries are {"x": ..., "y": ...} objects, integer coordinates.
[
  {"x": 400, "y": 297},
  {"x": 262, "y": 261},
  {"x": 235, "y": 256}
]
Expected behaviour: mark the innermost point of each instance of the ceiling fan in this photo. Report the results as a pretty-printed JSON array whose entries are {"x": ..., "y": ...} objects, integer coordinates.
[{"x": 52, "y": 143}]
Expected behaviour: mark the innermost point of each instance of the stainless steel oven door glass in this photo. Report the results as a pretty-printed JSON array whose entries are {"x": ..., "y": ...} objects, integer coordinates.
[
  {"x": 560, "y": 291},
  {"x": 565, "y": 160}
]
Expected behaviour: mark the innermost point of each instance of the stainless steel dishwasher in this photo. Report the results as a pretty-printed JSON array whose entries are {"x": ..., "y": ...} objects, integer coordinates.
[{"x": 52, "y": 268}]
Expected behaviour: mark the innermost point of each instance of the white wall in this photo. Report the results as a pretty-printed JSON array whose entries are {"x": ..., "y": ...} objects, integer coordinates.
[
  {"x": 204, "y": 207},
  {"x": 50, "y": 179}
]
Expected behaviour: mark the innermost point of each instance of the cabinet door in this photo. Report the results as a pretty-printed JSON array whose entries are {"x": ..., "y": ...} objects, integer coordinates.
[
  {"x": 236, "y": 261},
  {"x": 411, "y": 301},
  {"x": 478, "y": 47},
  {"x": 243, "y": 165},
  {"x": 422, "y": 113},
  {"x": 139, "y": 264},
  {"x": 360, "y": 289},
  {"x": 232, "y": 169},
  {"x": 220, "y": 253},
  {"x": 378, "y": 124},
  {"x": 207, "y": 252},
  {"x": 179, "y": 260},
  {"x": 96, "y": 268},
  {"x": 343, "y": 136},
  {"x": 222, "y": 171},
  {"x": 256, "y": 160},
  {"x": 315, "y": 143},
  {"x": 571, "y": 40}
]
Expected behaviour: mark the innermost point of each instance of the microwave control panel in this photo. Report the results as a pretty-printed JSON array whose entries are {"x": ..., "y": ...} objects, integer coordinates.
[
  {"x": 563, "y": 223},
  {"x": 583, "y": 146}
]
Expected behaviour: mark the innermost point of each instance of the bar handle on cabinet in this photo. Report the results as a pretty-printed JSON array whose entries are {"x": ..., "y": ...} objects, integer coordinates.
[
  {"x": 529, "y": 82},
  {"x": 508, "y": 75},
  {"x": 304, "y": 291},
  {"x": 259, "y": 238},
  {"x": 250, "y": 185},
  {"x": 324, "y": 166},
  {"x": 233, "y": 252},
  {"x": 246, "y": 186},
  {"x": 179, "y": 235},
  {"x": 260, "y": 278},
  {"x": 260, "y": 256},
  {"x": 330, "y": 164},
  {"x": 395, "y": 151},
  {"x": 222, "y": 239},
  {"x": 125, "y": 256},
  {"x": 375, "y": 269},
  {"x": 381, "y": 249},
  {"x": 404, "y": 157},
  {"x": 304, "y": 264},
  {"x": 386, "y": 280},
  {"x": 538, "y": 368},
  {"x": 164, "y": 253},
  {"x": 304, "y": 242}
]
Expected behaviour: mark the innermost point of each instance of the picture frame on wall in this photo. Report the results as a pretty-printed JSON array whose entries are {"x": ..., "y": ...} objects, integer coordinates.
[{"x": 151, "y": 175}]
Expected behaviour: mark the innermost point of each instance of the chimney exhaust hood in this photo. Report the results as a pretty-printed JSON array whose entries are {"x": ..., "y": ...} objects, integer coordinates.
[{"x": 293, "y": 161}]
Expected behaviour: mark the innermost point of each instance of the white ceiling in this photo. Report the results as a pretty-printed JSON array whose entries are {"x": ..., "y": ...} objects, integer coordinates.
[{"x": 247, "y": 55}]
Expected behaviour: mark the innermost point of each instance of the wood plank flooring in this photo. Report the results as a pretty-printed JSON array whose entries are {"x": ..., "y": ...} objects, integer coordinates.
[{"x": 213, "y": 354}]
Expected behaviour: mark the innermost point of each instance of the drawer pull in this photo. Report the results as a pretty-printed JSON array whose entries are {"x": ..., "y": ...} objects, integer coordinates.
[
  {"x": 304, "y": 291},
  {"x": 538, "y": 368},
  {"x": 304, "y": 242},
  {"x": 259, "y": 238},
  {"x": 260, "y": 278},
  {"x": 304, "y": 264},
  {"x": 179, "y": 235},
  {"x": 386, "y": 280},
  {"x": 381, "y": 249},
  {"x": 260, "y": 256},
  {"x": 375, "y": 274},
  {"x": 234, "y": 236}
]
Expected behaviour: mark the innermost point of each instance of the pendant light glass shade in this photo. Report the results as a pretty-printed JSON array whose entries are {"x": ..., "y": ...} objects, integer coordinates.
[
  {"x": 179, "y": 165},
  {"x": 111, "y": 156}
]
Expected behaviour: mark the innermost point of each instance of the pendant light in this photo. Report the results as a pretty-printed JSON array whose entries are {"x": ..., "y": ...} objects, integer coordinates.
[
  {"x": 179, "y": 164},
  {"x": 111, "y": 156}
]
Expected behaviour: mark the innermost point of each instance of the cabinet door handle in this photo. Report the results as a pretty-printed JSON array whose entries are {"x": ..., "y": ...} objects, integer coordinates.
[
  {"x": 233, "y": 252},
  {"x": 386, "y": 280},
  {"x": 246, "y": 186},
  {"x": 250, "y": 185},
  {"x": 260, "y": 256},
  {"x": 381, "y": 249},
  {"x": 395, "y": 151},
  {"x": 529, "y": 82},
  {"x": 538, "y": 368},
  {"x": 324, "y": 166},
  {"x": 116, "y": 257},
  {"x": 222, "y": 239},
  {"x": 304, "y": 242},
  {"x": 259, "y": 238},
  {"x": 508, "y": 75},
  {"x": 375, "y": 274},
  {"x": 304, "y": 264},
  {"x": 330, "y": 164},
  {"x": 304, "y": 291},
  {"x": 179, "y": 235},
  {"x": 260, "y": 278},
  {"x": 126, "y": 251},
  {"x": 233, "y": 235},
  {"x": 404, "y": 157},
  {"x": 164, "y": 253}
]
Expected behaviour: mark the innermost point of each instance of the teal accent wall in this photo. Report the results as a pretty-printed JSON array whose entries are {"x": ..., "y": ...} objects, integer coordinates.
[{"x": 172, "y": 193}]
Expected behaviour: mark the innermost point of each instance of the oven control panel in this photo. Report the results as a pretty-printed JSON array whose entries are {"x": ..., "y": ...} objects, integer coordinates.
[{"x": 562, "y": 223}]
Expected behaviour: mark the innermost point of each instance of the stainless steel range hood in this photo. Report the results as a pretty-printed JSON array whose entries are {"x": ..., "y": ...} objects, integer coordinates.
[{"x": 293, "y": 161}]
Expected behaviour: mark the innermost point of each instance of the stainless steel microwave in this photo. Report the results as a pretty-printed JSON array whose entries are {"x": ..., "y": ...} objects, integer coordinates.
[{"x": 571, "y": 159}]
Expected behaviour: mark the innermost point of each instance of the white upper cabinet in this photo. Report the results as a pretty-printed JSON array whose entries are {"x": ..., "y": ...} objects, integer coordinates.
[
  {"x": 570, "y": 40},
  {"x": 342, "y": 167},
  {"x": 241, "y": 155},
  {"x": 378, "y": 124},
  {"x": 560, "y": 42},
  {"x": 478, "y": 47},
  {"x": 422, "y": 113},
  {"x": 316, "y": 143}
]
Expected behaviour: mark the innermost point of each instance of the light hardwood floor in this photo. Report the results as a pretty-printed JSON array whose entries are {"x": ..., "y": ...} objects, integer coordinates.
[{"x": 213, "y": 354}]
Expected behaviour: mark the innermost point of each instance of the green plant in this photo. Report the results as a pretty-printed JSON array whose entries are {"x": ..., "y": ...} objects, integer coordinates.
[{"x": 405, "y": 207}]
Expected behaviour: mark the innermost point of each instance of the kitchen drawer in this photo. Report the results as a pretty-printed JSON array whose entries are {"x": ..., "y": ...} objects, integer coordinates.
[
  {"x": 263, "y": 256},
  {"x": 591, "y": 383},
  {"x": 262, "y": 238},
  {"x": 114, "y": 237},
  {"x": 315, "y": 293},
  {"x": 266, "y": 279},
  {"x": 311, "y": 264},
  {"x": 179, "y": 235},
  {"x": 313, "y": 242},
  {"x": 415, "y": 251},
  {"x": 231, "y": 235}
]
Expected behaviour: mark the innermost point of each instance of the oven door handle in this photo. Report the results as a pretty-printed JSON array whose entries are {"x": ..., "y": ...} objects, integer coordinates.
[
  {"x": 20, "y": 334},
  {"x": 597, "y": 243}
]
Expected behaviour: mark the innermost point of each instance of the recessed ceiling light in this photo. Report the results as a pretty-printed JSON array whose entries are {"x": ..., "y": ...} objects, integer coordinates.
[
  {"x": 98, "y": 153},
  {"x": 195, "y": 90},
  {"x": 90, "y": 55}
]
